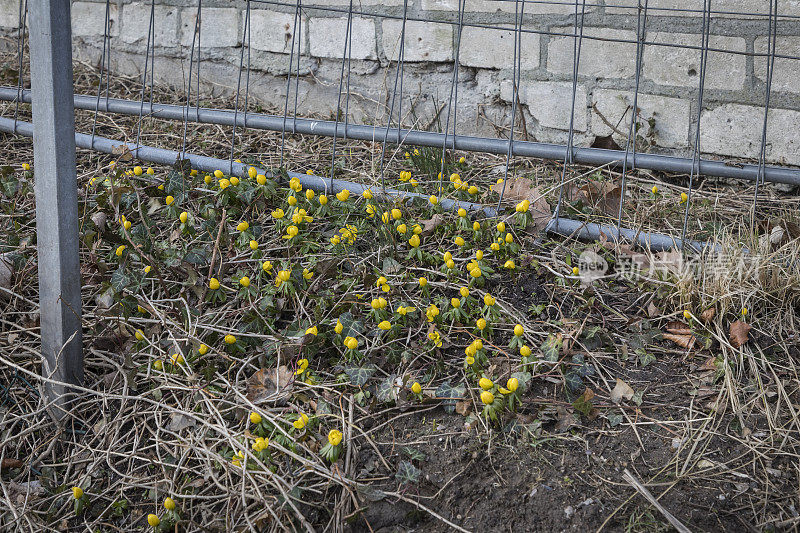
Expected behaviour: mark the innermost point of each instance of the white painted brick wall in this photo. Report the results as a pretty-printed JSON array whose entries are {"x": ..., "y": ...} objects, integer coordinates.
[
  {"x": 560, "y": 7},
  {"x": 550, "y": 102},
  {"x": 272, "y": 31},
  {"x": 735, "y": 130},
  {"x": 326, "y": 37},
  {"x": 693, "y": 8},
  {"x": 136, "y": 21},
  {"x": 89, "y": 18},
  {"x": 220, "y": 27},
  {"x": 425, "y": 41},
  {"x": 786, "y": 72},
  {"x": 670, "y": 117},
  {"x": 9, "y": 14},
  {"x": 487, "y": 48},
  {"x": 357, "y": 3},
  {"x": 668, "y": 65},
  {"x": 599, "y": 59}
]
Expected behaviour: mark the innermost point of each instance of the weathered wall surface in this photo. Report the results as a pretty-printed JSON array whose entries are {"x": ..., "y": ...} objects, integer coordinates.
[{"x": 731, "y": 119}]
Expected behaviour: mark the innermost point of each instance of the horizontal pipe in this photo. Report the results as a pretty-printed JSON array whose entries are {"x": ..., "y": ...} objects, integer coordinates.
[
  {"x": 586, "y": 156},
  {"x": 561, "y": 226}
]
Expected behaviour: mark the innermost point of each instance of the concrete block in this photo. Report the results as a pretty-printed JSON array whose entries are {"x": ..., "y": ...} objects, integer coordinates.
[
  {"x": 89, "y": 19},
  {"x": 736, "y": 9},
  {"x": 9, "y": 14},
  {"x": 668, "y": 65},
  {"x": 786, "y": 72},
  {"x": 326, "y": 37},
  {"x": 272, "y": 31},
  {"x": 735, "y": 130},
  {"x": 425, "y": 41},
  {"x": 220, "y": 27},
  {"x": 495, "y": 6},
  {"x": 664, "y": 120},
  {"x": 550, "y": 102},
  {"x": 136, "y": 22},
  {"x": 358, "y": 3},
  {"x": 599, "y": 58},
  {"x": 489, "y": 48}
]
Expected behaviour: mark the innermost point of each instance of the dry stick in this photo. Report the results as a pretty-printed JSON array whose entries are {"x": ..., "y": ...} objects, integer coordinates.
[
  {"x": 216, "y": 244},
  {"x": 677, "y": 524}
]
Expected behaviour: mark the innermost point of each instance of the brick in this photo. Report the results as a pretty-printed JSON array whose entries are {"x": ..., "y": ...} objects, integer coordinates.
[
  {"x": 272, "y": 31},
  {"x": 9, "y": 14},
  {"x": 786, "y": 72},
  {"x": 495, "y": 6},
  {"x": 326, "y": 37},
  {"x": 136, "y": 22},
  {"x": 599, "y": 58},
  {"x": 488, "y": 48},
  {"x": 739, "y": 9},
  {"x": 425, "y": 41},
  {"x": 89, "y": 19},
  {"x": 220, "y": 27},
  {"x": 550, "y": 102},
  {"x": 669, "y": 116},
  {"x": 668, "y": 65},
  {"x": 735, "y": 130}
]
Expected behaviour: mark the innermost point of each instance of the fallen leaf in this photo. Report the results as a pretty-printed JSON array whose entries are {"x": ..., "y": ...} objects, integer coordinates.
[
  {"x": 122, "y": 152},
  {"x": 739, "y": 333},
  {"x": 621, "y": 391},
  {"x": 709, "y": 364},
  {"x": 652, "y": 310},
  {"x": 10, "y": 463},
  {"x": 566, "y": 419},
  {"x": 678, "y": 328},
  {"x": 605, "y": 142},
  {"x": 270, "y": 385},
  {"x": 6, "y": 273},
  {"x": 463, "y": 407},
  {"x": 179, "y": 421},
  {"x": 684, "y": 341},
  {"x": 430, "y": 225},
  {"x": 708, "y": 315},
  {"x": 519, "y": 189}
]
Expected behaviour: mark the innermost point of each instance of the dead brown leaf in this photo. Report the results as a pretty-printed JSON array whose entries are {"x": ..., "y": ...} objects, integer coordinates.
[
  {"x": 652, "y": 310},
  {"x": 678, "y": 328},
  {"x": 684, "y": 341},
  {"x": 739, "y": 333},
  {"x": 604, "y": 196},
  {"x": 122, "y": 152},
  {"x": 11, "y": 463},
  {"x": 708, "y": 315},
  {"x": 430, "y": 225},
  {"x": 621, "y": 391},
  {"x": 270, "y": 385},
  {"x": 519, "y": 189},
  {"x": 463, "y": 407}
]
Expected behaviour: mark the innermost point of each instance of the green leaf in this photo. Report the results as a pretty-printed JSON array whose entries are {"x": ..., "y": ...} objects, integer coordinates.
[
  {"x": 120, "y": 279},
  {"x": 573, "y": 381},
  {"x": 450, "y": 395},
  {"x": 551, "y": 347},
  {"x": 351, "y": 327},
  {"x": 614, "y": 419},
  {"x": 386, "y": 391},
  {"x": 523, "y": 378},
  {"x": 359, "y": 375},
  {"x": 645, "y": 357},
  {"x": 407, "y": 473},
  {"x": 196, "y": 256},
  {"x": 414, "y": 454}
]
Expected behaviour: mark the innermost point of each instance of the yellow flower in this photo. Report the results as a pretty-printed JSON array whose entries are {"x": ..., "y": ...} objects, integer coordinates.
[
  {"x": 169, "y": 199},
  {"x": 255, "y": 418},
  {"x": 523, "y": 206},
  {"x": 414, "y": 183},
  {"x": 150, "y": 171},
  {"x": 575, "y": 271},
  {"x": 302, "y": 365},
  {"x": 479, "y": 255},
  {"x": 450, "y": 264},
  {"x": 501, "y": 227},
  {"x": 475, "y": 272},
  {"x": 687, "y": 314},
  {"x": 481, "y": 323},
  {"x": 254, "y": 245},
  {"x": 307, "y": 274},
  {"x": 291, "y": 200},
  {"x": 684, "y": 197},
  {"x": 351, "y": 343},
  {"x": 335, "y": 437},
  {"x": 230, "y": 339},
  {"x": 432, "y": 312},
  {"x": 309, "y": 194},
  {"x": 385, "y": 325},
  {"x": 459, "y": 241},
  {"x": 77, "y": 493},
  {"x": 278, "y": 214},
  {"x": 323, "y": 200},
  {"x": 381, "y": 280},
  {"x": 519, "y": 331},
  {"x": 414, "y": 241},
  {"x": 176, "y": 359},
  {"x": 343, "y": 195},
  {"x": 169, "y": 504},
  {"x": 470, "y": 360},
  {"x": 26, "y": 166},
  {"x": 291, "y": 232},
  {"x": 489, "y": 300},
  {"x": 213, "y": 284},
  {"x": 252, "y": 172},
  {"x": 260, "y": 444},
  {"x": 525, "y": 351},
  {"x": 234, "y": 180},
  {"x": 237, "y": 459},
  {"x": 416, "y": 388},
  {"x": 153, "y": 520},
  {"x": 423, "y": 282},
  {"x": 243, "y": 226},
  {"x": 218, "y": 174},
  {"x": 509, "y": 238},
  {"x": 654, "y": 190},
  {"x": 487, "y": 397},
  {"x": 224, "y": 184},
  {"x": 464, "y": 292},
  {"x": 462, "y": 212},
  {"x": 244, "y": 281},
  {"x": 137, "y": 170},
  {"x": 385, "y": 217},
  {"x": 367, "y": 194},
  {"x": 207, "y": 179},
  {"x": 339, "y": 327},
  {"x": 183, "y": 217},
  {"x": 301, "y": 421},
  {"x": 462, "y": 160},
  {"x": 397, "y": 214},
  {"x": 494, "y": 246},
  {"x": 284, "y": 275},
  {"x": 512, "y": 384},
  {"x": 120, "y": 250},
  {"x": 433, "y": 200},
  {"x": 312, "y": 331},
  {"x": 147, "y": 269},
  {"x": 261, "y": 179},
  {"x": 127, "y": 224},
  {"x": 417, "y": 229},
  {"x": 266, "y": 266},
  {"x": 744, "y": 311},
  {"x": 310, "y": 172},
  {"x": 203, "y": 349},
  {"x": 510, "y": 265},
  {"x": 476, "y": 226},
  {"x": 158, "y": 365},
  {"x": 485, "y": 383},
  {"x": 295, "y": 185}
]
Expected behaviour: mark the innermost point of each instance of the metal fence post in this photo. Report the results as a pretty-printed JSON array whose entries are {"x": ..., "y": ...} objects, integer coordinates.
[{"x": 56, "y": 197}]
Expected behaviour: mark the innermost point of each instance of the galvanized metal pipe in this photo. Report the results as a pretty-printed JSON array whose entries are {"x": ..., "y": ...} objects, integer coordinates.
[
  {"x": 561, "y": 226},
  {"x": 586, "y": 156}
]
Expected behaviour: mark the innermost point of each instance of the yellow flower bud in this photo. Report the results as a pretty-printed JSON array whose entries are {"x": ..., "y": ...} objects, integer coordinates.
[
  {"x": 323, "y": 200},
  {"x": 479, "y": 255},
  {"x": 519, "y": 331},
  {"x": 481, "y": 324},
  {"x": 464, "y": 292},
  {"x": 367, "y": 194},
  {"x": 476, "y": 226},
  {"x": 416, "y": 388},
  {"x": 292, "y": 200},
  {"x": 414, "y": 241},
  {"x": 459, "y": 241},
  {"x": 152, "y": 519},
  {"x": 433, "y": 200},
  {"x": 501, "y": 227},
  {"x": 687, "y": 314},
  {"x": 343, "y": 195},
  {"x": 120, "y": 250},
  {"x": 213, "y": 284},
  {"x": 397, "y": 214},
  {"x": 255, "y": 418},
  {"x": 254, "y": 245},
  {"x": 402, "y": 229},
  {"x": 242, "y": 226},
  {"x": 230, "y": 339},
  {"x": 455, "y": 302},
  {"x": 139, "y": 335},
  {"x": 512, "y": 384},
  {"x": 525, "y": 351},
  {"x": 234, "y": 180},
  {"x": 169, "y": 200},
  {"x": 485, "y": 383},
  {"x": 339, "y": 327},
  {"x": 423, "y": 282},
  {"x": 351, "y": 343},
  {"x": 312, "y": 331},
  {"x": 487, "y": 397},
  {"x": 385, "y": 325},
  {"x": 77, "y": 493},
  {"x": 202, "y": 349},
  {"x": 309, "y": 194},
  {"x": 334, "y": 437},
  {"x": 261, "y": 179},
  {"x": 218, "y": 174},
  {"x": 244, "y": 281}
]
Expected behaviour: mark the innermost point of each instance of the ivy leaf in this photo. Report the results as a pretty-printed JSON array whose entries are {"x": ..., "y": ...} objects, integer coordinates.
[
  {"x": 196, "y": 256},
  {"x": 351, "y": 327},
  {"x": 573, "y": 381},
  {"x": 523, "y": 378},
  {"x": 386, "y": 391},
  {"x": 614, "y": 419},
  {"x": 414, "y": 454},
  {"x": 551, "y": 346},
  {"x": 120, "y": 279},
  {"x": 450, "y": 395},
  {"x": 407, "y": 473},
  {"x": 645, "y": 357},
  {"x": 359, "y": 375}
]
